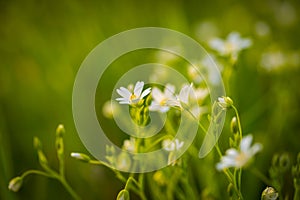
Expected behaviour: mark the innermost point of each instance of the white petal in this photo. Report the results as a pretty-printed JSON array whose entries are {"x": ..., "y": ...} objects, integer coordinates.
[
  {"x": 232, "y": 152},
  {"x": 184, "y": 94},
  {"x": 124, "y": 92},
  {"x": 255, "y": 148},
  {"x": 179, "y": 144},
  {"x": 233, "y": 37},
  {"x": 138, "y": 88},
  {"x": 145, "y": 92},
  {"x": 245, "y": 143},
  {"x": 217, "y": 44},
  {"x": 169, "y": 90},
  {"x": 173, "y": 102},
  {"x": 157, "y": 95}
]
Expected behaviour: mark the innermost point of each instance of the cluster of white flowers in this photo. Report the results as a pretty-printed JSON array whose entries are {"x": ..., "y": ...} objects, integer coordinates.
[
  {"x": 239, "y": 158},
  {"x": 162, "y": 101}
]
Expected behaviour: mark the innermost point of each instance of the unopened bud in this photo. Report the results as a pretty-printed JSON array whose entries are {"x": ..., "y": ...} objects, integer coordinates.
[
  {"x": 15, "y": 184},
  {"x": 234, "y": 125},
  {"x": 225, "y": 102},
  {"x": 123, "y": 195},
  {"x": 269, "y": 194},
  {"x": 81, "y": 157}
]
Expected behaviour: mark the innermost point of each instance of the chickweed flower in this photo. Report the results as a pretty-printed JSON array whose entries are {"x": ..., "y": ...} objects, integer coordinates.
[
  {"x": 239, "y": 158},
  {"x": 161, "y": 99},
  {"x": 132, "y": 97},
  {"x": 183, "y": 98},
  {"x": 231, "y": 46}
]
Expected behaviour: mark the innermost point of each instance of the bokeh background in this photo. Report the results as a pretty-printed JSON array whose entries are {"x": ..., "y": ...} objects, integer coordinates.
[{"x": 42, "y": 44}]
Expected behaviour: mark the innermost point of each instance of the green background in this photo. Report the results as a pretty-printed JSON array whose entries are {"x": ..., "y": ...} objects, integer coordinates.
[{"x": 42, "y": 44}]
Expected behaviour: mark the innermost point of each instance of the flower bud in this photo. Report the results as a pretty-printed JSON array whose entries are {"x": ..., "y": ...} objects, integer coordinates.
[
  {"x": 269, "y": 194},
  {"x": 225, "y": 102},
  {"x": 59, "y": 143},
  {"x": 284, "y": 162},
  {"x": 15, "y": 184},
  {"x": 123, "y": 195},
  {"x": 41, "y": 156},
  {"x": 234, "y": 125},
  {"x": 81, "y": 157}
]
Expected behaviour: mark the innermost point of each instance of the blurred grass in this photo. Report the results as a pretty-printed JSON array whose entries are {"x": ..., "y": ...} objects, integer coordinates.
[{"x": 42, "y": 45}]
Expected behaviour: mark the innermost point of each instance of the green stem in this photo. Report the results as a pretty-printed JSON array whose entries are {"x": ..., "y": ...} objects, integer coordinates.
[
  {"x": 68, "y": 188},
  {"x": 29, "y": 172},
  {"x": 238, "y": 120},
  {"x": 297, "y": 192},
  {"x": 54, "y": 176},
  {"x": 261, "y": 176}
]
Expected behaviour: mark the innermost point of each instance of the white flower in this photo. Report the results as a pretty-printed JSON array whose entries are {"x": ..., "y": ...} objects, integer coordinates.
[
  {"x": 194, "y": 74},
  {"x": 160, "y": 100},
  {"x": 129, "y": 145},
  {"x": 239, "y": 158},
  {"x": 183, "y": 98},
  {"x": 231, "y": 46},
  {"x": 129, "y": 97},
  {"x": 199, "y": 94},
  {"x": 172, "y": 145}
]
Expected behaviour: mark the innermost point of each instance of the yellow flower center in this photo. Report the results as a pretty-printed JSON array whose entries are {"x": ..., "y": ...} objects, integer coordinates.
[
  {"x": 132, "y": 97},
  {"x": 241, "y": 159},
  {"x": 163, "y": 102}
]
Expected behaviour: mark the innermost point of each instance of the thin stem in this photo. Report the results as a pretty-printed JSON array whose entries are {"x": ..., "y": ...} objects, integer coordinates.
[
  {"x": 68, "y": 188},
  {"x": 240, "y": 180},
  {"x": 261, "y": 176},
  {"x": 54, "y": 176},
  {"x": 29, "y": 172},
  {"x": 238, "y": 120},
  {"x": 199, "y": 124}
]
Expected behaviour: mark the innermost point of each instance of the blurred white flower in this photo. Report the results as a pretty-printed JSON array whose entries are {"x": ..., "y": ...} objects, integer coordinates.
[
  {"x": 109, "y": 107},
  {"x": 239, "y": 158},
  {"x": 194, "y": 75},
  {"x": 129, "y": 145},
  {"x": 160, "y": 100},
  {"x": 231, "y": 46},
  {"x": 273, "y": 60},
  {"x": 199, "y": 94},
  {"x": 262, "y": 29},
  {"x": 129, "y": 97},
  {"x": 285, "y": 13},
  {"x": 172, "y": 145}
]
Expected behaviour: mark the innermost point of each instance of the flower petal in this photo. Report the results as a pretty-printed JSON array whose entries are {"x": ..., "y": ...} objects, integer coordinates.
[
  {"x": 138, "y": 88},
  {"x": 145, "y": 93},
  {"x": 124, "y": 92},
  {"x": 245, "y": 143}
]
